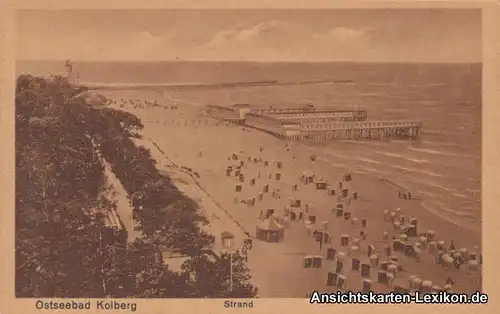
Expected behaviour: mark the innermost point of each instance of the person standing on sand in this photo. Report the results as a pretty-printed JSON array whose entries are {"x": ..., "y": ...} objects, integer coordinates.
[
  {"x": 362, "y": 234},
  {"x": 449, "y": 281},
  {"x": 457, "y": 264},
  {"x": 452, "y": 247},
  {"x": 339, "y": 267}
]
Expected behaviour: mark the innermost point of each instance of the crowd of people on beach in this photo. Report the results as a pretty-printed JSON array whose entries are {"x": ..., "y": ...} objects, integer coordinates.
[
  {"x": 402, "y": 245},
  {"x": 141, "y": 104}
]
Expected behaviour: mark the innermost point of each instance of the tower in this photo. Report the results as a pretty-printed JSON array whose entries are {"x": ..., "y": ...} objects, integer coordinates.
[{"x": 69, "y": 71}]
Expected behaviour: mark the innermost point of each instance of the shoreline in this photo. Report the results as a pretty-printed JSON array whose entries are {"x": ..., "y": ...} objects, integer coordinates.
[
  {"x": 395, "y": 185},
  {"x": 323, "y": 155}
]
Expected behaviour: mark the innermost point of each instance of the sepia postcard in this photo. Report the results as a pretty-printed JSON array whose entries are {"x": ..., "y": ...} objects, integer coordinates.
[{"x": 266, "y": 158}]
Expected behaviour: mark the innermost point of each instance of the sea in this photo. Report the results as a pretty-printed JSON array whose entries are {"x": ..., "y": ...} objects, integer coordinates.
[{"x": 443, "y": 168}]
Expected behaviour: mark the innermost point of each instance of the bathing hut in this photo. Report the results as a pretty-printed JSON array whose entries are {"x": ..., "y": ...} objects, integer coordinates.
[
  {"x": 365, "y": 270},
  {"x": 317, "y": 261},
  {"x": 344, "y": 240},
  {"x": 331, "y": 279},
  {"x": 382, "y": 277},
  {"x": 347, "y": 215},
  {"x": 363, "y": 222},
  {"x": 342, "y": 282},
  {"x": 294, "y": 202},
  {"x": 321, "y": 185},
  {"x": 366, "y": 285},
  {"x": 414, "y": 221},
  {"x": 398, "y": 245},
  {"x": 318, "y": 236},
  {"x": 339, "y": 210},
  {"x": 308, "y": 178},
  {"x": 409, "y": 230},
  {"x": 327, "y": 238},
  {"x": 270, "y": 231},
  {"x": 330, "y": 254},
  {"x": 356, "y": 264},
  {"x": 308, "y": 261}
]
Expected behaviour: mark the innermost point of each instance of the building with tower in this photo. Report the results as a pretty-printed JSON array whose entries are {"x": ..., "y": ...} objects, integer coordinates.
[{"x": 73, "y": 77}]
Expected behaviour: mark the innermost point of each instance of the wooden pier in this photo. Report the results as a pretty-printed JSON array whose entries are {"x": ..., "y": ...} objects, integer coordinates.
[
  {"x": 269, "y": 111},
  {"x": 304, "y": 124},
  {"x": 321, "y": 116},
  {"x": 356, "y": 131}
]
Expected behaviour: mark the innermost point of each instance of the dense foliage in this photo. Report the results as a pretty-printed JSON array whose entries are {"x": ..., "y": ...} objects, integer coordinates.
[{"x": 61, "y": 204}]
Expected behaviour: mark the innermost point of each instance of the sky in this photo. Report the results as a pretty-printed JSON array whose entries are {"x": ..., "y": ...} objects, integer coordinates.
[{"x": 355, "y": 35}]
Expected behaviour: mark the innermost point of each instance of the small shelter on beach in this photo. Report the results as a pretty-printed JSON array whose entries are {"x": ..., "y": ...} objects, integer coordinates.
[
  {"x": 270, "y": 230},
  {"x": 321, "y": 185},
  {"x": 308, "y": 178},
  {"x": 295, "y": 202}
]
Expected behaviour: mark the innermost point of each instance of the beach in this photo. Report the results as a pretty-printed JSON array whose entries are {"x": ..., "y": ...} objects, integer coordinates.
[{"x": 278, "y": 268}]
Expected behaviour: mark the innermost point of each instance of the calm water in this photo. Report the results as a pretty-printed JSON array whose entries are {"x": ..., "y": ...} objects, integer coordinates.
[{"x": 443, "y": 169}]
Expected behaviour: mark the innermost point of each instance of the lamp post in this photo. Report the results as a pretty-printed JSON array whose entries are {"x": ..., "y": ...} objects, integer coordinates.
[{"x": 227, "y": 243}]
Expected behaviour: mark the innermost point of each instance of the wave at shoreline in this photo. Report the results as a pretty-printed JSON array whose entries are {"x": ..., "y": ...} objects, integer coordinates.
[{"x": 435, "y": 210}]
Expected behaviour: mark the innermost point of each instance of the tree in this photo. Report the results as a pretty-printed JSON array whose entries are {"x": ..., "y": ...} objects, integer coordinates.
[
  {"x": 64, "y": 247},
  {"x": 210, "y": 276}
]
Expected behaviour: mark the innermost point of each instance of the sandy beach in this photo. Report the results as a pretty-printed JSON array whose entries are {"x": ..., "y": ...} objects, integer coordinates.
[{"x": 278, "y": 268}]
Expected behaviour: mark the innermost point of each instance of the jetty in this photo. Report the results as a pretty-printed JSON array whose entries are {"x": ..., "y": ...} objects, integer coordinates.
[
  {"x": 309, "y": 124},
  {"x": 322, "y": 116},
  {"x": 355, "y": 131}
]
